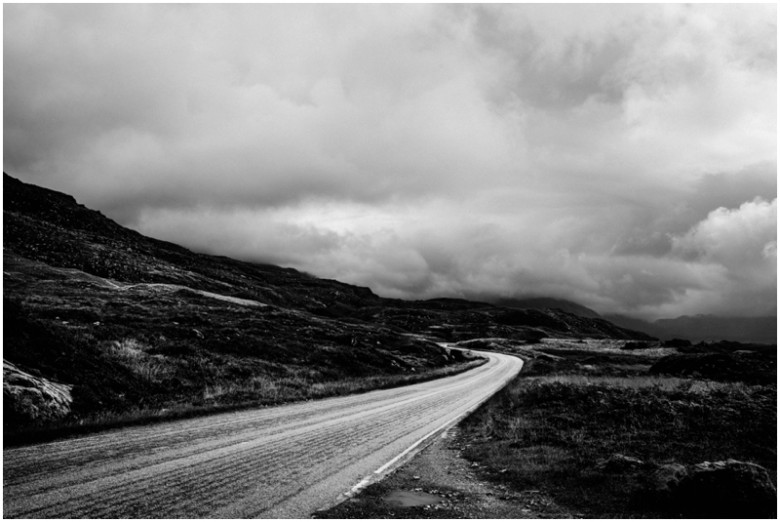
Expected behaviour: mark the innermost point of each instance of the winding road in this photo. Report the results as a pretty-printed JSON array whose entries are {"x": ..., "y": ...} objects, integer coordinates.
[{"x": 282, "y": 462}]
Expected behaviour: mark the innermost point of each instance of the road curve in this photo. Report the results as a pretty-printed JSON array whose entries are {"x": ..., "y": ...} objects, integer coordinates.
[{"x": 282, "y": 462}]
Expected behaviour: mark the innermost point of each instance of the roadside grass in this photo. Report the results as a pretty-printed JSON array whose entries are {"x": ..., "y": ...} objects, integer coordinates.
[
  {"x": 259, "y": 391},
  {"x": 658, "y": 382},
  {"x": 555, "y": 430},
  {"x": 133, "y": 354},
  {"x": 298, "y": 388}
]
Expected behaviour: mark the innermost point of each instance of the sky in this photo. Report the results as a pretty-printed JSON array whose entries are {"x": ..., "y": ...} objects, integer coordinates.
[{"x": 621, "y": 156}]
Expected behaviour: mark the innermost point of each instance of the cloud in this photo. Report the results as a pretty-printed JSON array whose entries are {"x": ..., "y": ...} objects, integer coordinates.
[
  {"x": 575, "y": 151},
  {"x": 742, "y": 240}
]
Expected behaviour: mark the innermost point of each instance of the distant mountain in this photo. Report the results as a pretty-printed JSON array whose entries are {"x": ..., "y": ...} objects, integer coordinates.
[
  {"x": 706, "y": 328},
  {"x": 545, "y": 303},
  {"x": 696, "y": 328},
  {"x": 129, "y": 322}
]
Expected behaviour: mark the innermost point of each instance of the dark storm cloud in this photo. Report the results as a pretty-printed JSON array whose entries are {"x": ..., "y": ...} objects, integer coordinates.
[{"x": 623, "y": 156}]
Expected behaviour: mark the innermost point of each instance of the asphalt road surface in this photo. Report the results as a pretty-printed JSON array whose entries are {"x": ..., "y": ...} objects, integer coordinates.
[{"x": 282, "y": 462}]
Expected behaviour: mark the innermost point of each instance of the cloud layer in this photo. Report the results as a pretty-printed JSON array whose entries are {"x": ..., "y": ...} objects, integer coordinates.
[{"x": 621, "y": 156}]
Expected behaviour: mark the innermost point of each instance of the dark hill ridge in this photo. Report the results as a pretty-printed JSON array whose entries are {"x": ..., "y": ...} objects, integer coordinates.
[
  {"x": 48, "y": 226},
  {"x": 545, "y": 303},
  {"x": 134, "y": 323}
]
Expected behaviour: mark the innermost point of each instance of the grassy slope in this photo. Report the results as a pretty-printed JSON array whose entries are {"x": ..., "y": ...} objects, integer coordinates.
[
  {"x": 132, "y": 354},
  {"x": 554, "y": 425}
]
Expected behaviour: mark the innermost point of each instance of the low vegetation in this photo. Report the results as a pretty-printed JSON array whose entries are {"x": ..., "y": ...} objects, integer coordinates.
[
  {"x": 228, "y": 396},
  {"x": 137, "y": 357},
  {"x": 589, "y": 427}
]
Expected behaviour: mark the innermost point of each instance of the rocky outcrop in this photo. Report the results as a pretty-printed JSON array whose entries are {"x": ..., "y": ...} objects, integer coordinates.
[
  {"x": 659, "y": 485},
  {"x": 619, "y": 463},
  {"x": 726, "y": 489},
  {"x": 723, "y": 489},
  {"x": 31, "y": 399}
]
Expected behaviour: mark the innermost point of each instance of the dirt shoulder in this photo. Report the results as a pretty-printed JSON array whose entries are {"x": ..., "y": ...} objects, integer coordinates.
[{"x": 459, "y": 486}]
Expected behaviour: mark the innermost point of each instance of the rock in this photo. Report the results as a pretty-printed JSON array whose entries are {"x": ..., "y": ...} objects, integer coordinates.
[
  {"x": 726, "y": 489},
  {"x": 663, "y": 480},
  {"x": 676, "y": 343},
  {"x": 619, "y": 463},
  {"x": 31, "y": 399}
]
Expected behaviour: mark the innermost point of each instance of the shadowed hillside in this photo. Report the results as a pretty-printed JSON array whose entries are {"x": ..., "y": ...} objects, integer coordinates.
[{"x": 125, "y": 323}]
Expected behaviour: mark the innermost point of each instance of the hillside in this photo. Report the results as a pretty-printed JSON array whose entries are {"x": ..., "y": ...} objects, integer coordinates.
[{"x": 126, "y": 323}]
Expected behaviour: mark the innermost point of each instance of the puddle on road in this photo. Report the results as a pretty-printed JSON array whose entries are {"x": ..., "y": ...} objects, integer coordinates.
[{"x": 411, "y": 498}]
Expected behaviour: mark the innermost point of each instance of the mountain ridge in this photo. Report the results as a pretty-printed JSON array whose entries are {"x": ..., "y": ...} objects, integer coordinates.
[{"x": 696, "y": 327}]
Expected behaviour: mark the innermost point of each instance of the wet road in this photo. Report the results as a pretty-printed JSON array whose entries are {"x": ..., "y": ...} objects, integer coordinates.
[{"x": 282, "y": 462}]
